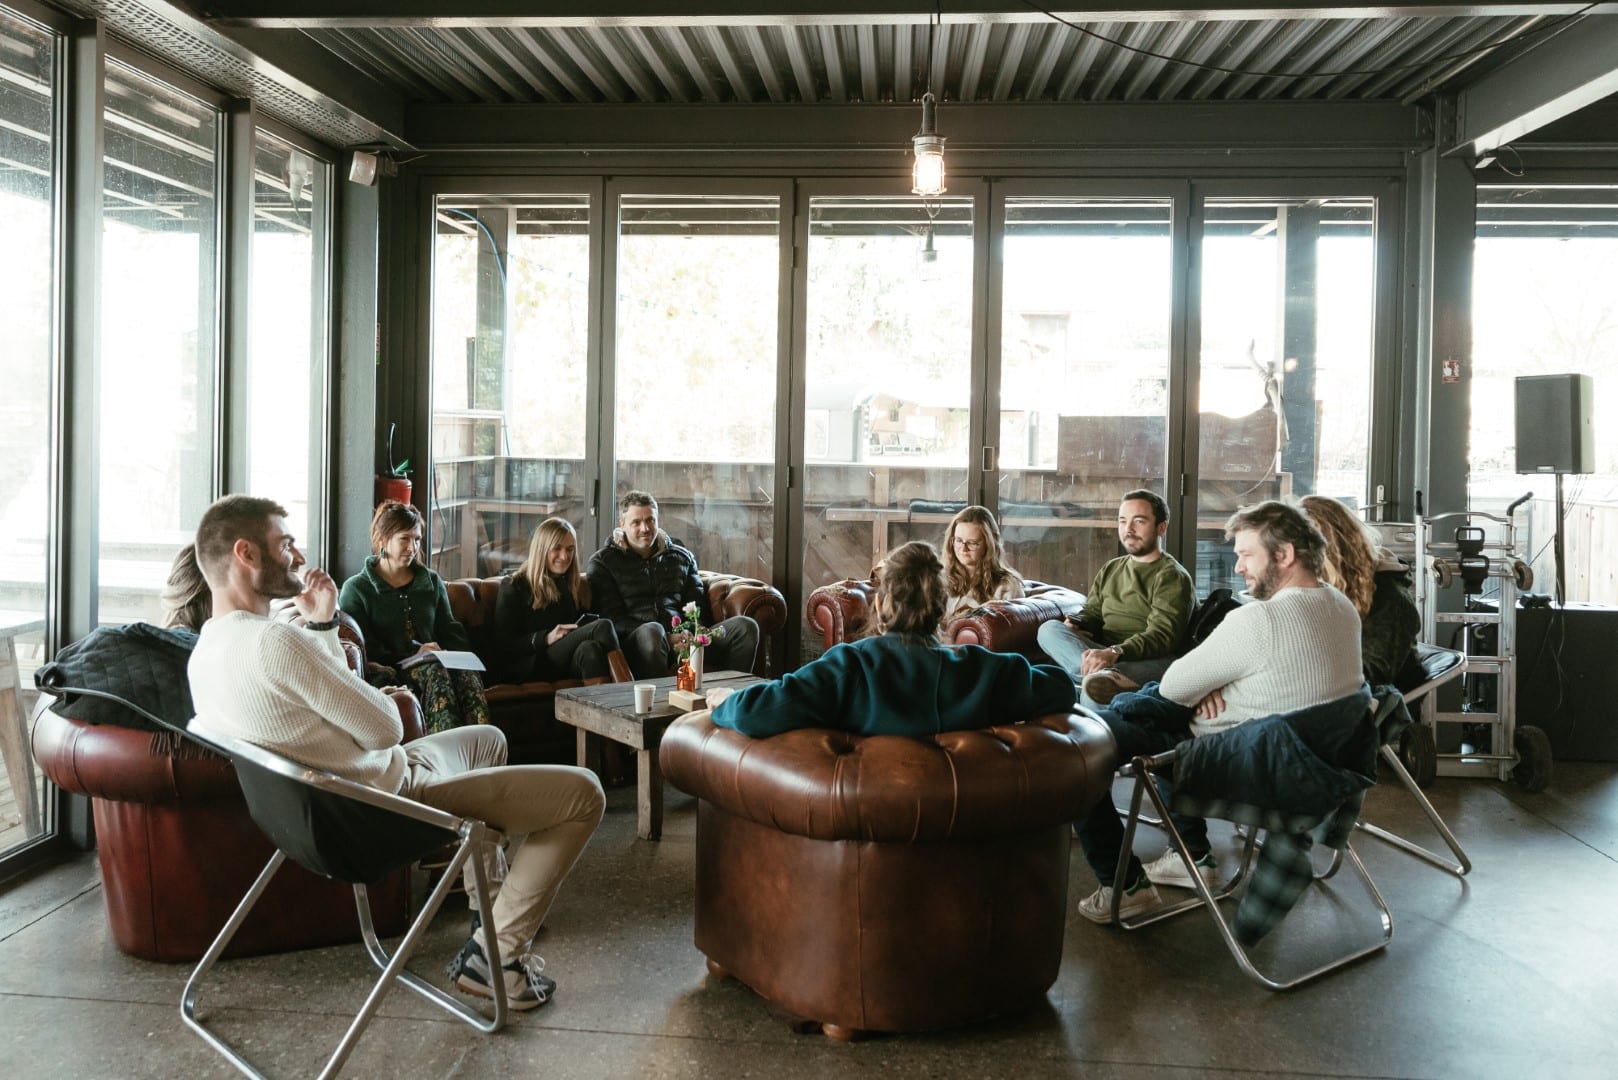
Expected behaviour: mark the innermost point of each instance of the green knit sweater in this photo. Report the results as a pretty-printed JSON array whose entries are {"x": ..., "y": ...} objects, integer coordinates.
[
  {"x": 1141, "y": 607},
  {"x": 397, "y": 621}
]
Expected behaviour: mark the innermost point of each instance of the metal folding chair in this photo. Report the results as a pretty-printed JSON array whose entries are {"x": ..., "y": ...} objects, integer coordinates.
[
  {"x": 1142, "y": 770},
  {"x": 354, "y": 833},
  {"x": 1439, "y": 666}
]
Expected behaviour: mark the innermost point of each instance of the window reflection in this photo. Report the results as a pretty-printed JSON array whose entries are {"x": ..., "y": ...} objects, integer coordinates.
[
  {"x": 696, "y": 369},
  {"x": 26, "y": 278},
  {"x": 511, "y": 311},
  {"x": 158, "y": 335},
  {"x": 287, "y": 354}
]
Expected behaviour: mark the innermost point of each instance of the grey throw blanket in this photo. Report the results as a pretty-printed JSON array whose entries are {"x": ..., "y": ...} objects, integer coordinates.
[{"x": 130, "y": 676}]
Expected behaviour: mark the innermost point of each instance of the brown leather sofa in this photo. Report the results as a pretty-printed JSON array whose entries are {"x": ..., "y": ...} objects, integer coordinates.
[
  {"x": 178, "y": 850},
  {"x": 888, "y": 883},
  {"x": 841, "y": 611},
  {"x": 526, "y": 712}
]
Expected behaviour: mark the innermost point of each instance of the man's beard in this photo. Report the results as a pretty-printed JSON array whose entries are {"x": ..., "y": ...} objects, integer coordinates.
[
  {"x": 1148, "y": 544},
  {"x": 1266, "y": 585},
  {"x": 276, "y": 581}
]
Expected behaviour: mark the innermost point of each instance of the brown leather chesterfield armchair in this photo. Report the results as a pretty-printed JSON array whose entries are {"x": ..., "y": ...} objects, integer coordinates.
[
  {"x": 178, "y": 849},
  {"x": 863, "y": 882},
  {"x": 526, "y": 712},
  {"x": 841, "y": 611}
]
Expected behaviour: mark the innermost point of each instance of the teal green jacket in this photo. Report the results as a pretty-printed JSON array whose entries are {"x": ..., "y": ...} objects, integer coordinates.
[
  {"x": 397, "y": 621},
  {"x": 900, "y": 685}
]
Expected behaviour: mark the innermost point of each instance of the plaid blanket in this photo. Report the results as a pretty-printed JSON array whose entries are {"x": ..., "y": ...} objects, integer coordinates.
[{"x": 1283, "y": 869}]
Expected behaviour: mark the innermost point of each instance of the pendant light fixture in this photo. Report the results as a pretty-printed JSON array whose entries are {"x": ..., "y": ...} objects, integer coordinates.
[{"x": 927, "y": 176}]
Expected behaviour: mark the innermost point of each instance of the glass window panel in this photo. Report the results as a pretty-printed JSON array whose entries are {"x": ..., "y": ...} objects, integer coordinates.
[
  {"x": 696, "y": 367},
  {"x": 1544, "y": 303},
  {"x": 511, "y": 314},
  {"x": 286, "y": 371},
  {"x": 1288, "y": 317},
  {"x": 1084, "y": 370},
  {"x": 158, "y": 339},
  {"x": 27, "y": 277},
  {"x": 888, "y": 379}
]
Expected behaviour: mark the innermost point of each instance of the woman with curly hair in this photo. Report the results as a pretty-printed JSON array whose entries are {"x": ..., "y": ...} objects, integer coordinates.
[
  {"x": 901, "y": 681},
  {"x": 1378, "y": 585},
  {"x": 402, "y": 608},
  {"x": 973, "y": 565},
  {"x": 542, "y": 624}
]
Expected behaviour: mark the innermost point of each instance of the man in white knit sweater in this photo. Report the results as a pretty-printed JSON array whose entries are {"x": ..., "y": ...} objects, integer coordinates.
[
  {"x": 1296, "y": 645},
  {"x": 289, "y": 689}
]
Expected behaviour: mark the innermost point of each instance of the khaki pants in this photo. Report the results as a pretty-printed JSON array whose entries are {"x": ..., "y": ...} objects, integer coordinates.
[{"x": 553, "y": 809}]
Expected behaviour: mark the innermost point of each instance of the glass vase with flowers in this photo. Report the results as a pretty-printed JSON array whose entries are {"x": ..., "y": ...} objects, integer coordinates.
[{"x": 690, "y": 638}]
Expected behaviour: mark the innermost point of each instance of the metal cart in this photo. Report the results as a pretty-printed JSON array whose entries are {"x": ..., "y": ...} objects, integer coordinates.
[{"x": 1469, "y": 548}]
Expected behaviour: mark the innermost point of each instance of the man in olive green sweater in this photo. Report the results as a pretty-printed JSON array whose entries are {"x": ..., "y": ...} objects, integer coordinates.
[{"x": 1135, "y": 614}]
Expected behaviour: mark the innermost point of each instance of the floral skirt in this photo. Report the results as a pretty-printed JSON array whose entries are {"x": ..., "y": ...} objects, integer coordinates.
[{"x": 449, "y": 699}]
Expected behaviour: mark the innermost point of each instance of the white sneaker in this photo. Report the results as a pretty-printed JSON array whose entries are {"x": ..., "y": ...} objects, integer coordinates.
[
  {"x": 1169, "y": 869},
  {"x": 1097, "y": 907}
]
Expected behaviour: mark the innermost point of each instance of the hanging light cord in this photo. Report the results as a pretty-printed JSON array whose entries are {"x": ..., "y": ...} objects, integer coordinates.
[{"x": 1461, "y": 55}]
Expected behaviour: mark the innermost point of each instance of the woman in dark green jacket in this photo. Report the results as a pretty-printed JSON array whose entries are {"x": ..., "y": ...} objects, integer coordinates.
[
  {"x": 403, "y": 610},
  {"x": 901, "y": 681}
]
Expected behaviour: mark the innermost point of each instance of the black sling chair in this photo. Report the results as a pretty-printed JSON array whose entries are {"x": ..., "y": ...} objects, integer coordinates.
[{"x": 354, "y": 833}]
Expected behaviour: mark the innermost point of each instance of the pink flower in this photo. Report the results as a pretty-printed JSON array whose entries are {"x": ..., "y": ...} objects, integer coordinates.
[
  {"x": 675, "y": 622},
  {"x": 702, "y": 639}
]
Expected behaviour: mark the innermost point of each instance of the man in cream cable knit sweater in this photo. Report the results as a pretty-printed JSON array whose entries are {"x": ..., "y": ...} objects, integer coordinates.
[
  {"x": 1298, "y": 646},
  {"x": 289, "y": 690}
]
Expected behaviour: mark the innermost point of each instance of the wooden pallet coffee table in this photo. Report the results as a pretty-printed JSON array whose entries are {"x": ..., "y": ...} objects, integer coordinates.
[{"x": 608, "y": 710}]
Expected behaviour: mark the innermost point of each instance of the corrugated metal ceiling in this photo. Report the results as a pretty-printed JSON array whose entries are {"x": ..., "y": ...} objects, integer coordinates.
[{"x": 1287, "y": 59}]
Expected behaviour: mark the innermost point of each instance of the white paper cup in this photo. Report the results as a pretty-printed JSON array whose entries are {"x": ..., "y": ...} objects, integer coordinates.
[{"x": 643, "y": 697}]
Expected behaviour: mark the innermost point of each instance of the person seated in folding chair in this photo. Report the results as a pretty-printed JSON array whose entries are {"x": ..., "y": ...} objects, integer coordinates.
[
  {"x": 1379, "y": 586},
  {"x": 1298, "y": 645},
  {"x": 289, "y": 689}
]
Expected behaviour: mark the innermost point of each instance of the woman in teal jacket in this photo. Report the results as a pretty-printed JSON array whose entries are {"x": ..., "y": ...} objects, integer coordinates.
[
  {"x": 901, "y": 681},
  {"x": 403, "y": 611}
]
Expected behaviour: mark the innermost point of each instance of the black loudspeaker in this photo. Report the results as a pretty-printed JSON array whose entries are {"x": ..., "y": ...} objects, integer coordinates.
[
  {"x": 1567, "y": 678},
  {"x": 1554, "y": 432}
]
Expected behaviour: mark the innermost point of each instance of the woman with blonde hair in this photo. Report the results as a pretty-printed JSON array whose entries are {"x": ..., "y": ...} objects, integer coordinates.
[
  {"x": 901, "y": 681},
  {"x": 187, "y": 600},
  {"x": 542, "y": 623},
  {"x": 1378, "y": 585},
  {"x": 403, "y": 610},
  {"x": 973, "y": 565}
]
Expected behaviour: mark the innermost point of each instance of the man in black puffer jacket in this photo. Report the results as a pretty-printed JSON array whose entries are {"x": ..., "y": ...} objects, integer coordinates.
[{"x": 642, "y": 580}]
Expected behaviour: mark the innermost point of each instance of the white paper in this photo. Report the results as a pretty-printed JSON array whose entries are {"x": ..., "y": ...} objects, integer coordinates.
[{"x": 453, "y": 659}]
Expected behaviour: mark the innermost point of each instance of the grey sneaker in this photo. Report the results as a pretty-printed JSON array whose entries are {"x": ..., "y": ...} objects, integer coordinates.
[
  {"x": 1169, "y": 869},
  {"x": 526, "y": 988},
  {"x": 1103, "y": 686},
  {"x": 1139, "y": 897}
]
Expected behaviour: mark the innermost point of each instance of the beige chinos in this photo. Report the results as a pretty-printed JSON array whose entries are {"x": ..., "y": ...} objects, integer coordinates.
[{"x": 558, "y": 807}]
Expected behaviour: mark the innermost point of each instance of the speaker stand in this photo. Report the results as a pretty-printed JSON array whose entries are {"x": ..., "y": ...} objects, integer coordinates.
[{"x": 1561, "y": 572}]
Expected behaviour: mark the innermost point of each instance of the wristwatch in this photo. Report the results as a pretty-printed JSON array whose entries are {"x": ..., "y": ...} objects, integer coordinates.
[{"x": 329, "y": 624}]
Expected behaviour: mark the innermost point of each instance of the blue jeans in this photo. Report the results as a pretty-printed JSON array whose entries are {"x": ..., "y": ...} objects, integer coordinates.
[
  {"x": 1146, "y": 723},
  {"x": 1067, "y": 647}
]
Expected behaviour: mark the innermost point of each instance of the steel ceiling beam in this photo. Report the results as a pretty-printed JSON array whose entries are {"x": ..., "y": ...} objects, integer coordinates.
[
  {"x": 1578, "y": 67},
  {"x": 1021, "y": 126},
  {"x": 336, "y": 14}
]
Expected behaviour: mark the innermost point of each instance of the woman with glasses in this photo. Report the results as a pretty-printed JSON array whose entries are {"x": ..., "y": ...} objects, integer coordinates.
[{"x": 973, "y": 564}]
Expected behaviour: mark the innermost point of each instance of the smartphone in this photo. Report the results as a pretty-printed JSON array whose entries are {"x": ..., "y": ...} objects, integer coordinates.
[{"x": 585, "y": 617}]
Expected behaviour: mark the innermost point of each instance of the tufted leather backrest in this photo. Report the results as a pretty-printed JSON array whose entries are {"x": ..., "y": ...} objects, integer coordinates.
[
  {"x": 834, "y": 785},
  {"x": 841, "y": 612}
]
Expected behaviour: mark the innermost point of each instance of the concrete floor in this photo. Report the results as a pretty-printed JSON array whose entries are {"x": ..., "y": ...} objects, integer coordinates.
[{"x": 1511, "y": 973}]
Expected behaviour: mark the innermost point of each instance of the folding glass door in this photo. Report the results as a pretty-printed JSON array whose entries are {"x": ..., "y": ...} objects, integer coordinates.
[
  {"x": 697, "y": 355},
  {"x": 511, "y": 321},
  {"x": 888, "y": 384},
  {"x": 1086, "y": 307},
  {"x": 1287, "y": 328}
]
